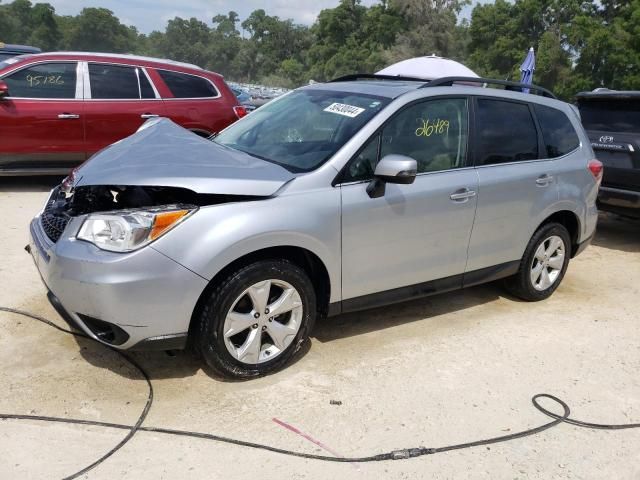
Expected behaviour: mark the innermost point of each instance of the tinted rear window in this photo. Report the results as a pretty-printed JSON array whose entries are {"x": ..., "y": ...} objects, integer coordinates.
[
  {"x": 188, "y": 86},
  {"x": 617, "y": 116},
  {"x": 113, "y": 81},
  {"x": 505, "y": 132},
  {"x": 558, "y": 134}
]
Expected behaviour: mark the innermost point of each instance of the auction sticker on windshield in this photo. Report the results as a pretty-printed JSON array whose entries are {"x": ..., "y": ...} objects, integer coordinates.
[{"x": 343, "y": 109}]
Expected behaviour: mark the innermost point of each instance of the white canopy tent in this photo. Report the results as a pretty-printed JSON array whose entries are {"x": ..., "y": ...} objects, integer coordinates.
[{"x": 428, "y": 68}]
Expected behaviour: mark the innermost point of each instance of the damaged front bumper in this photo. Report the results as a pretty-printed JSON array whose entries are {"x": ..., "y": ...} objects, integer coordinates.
[{"x": 136, "y": 300}]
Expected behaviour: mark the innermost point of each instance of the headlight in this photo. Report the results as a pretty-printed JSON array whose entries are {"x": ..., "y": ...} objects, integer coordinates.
[{"x": 128, "y": 230}]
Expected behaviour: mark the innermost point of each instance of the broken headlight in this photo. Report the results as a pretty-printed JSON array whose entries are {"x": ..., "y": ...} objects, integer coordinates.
[{"x": 128, "y": 230}]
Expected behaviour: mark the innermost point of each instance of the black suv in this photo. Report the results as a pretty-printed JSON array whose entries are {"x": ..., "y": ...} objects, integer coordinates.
[
  {"x": 612, "y": 121},
  {"x": 8, "y": 51}
]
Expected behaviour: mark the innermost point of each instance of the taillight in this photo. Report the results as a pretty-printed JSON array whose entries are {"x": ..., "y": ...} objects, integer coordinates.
[
  {"x": 595, "y": 167},
  {"x": 240, "y": 111}
]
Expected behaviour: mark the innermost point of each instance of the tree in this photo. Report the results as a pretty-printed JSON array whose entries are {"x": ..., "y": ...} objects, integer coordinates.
[
  {"x": 429, "y": 27},
  {"x": 98, "y": 29}
]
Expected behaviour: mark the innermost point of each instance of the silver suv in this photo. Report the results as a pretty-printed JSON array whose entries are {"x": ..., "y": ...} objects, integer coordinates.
[{"x": 335, "y": 197}]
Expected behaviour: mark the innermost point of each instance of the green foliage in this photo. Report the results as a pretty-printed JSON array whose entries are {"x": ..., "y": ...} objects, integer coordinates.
[
  {"x": 98, "y": 29},
  {"x": 580, "y": 44}
]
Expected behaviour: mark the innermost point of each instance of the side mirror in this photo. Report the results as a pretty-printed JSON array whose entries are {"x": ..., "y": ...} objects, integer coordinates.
[
  {"x": 392, "y": 169},
  {"x": 4, "y": 90}
]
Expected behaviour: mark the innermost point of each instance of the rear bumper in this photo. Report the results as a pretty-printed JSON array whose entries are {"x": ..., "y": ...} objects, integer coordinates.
[
  {"x": 616, "y": 200},
  {"x": 140, "y": 300}
]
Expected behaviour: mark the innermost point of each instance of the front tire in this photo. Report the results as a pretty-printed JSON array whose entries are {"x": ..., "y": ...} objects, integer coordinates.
[
  {"x": 543, "y": 264},
  {"x": 256, "y": 319}
]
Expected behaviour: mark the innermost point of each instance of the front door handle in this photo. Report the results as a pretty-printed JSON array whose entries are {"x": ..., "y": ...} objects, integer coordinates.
[
  {"x": 149, "y": 115},
  {"x": 462, "y": 195},
  {"x": 68, "y": 116},
  {"x": 544, "y": 180}
]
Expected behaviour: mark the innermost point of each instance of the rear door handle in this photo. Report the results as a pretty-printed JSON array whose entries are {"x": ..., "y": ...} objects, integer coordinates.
[
  {"x": 462, "y": 195},
  {"x": 149, "y": 115},
  {"x": 544, "y": 180},
  {"x": 68, "y": 116}
]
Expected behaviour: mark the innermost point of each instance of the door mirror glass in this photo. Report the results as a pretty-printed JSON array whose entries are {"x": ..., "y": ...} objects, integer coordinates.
[
  {"x": 396, "y": 169},
  {"x": 4, "y": 90}
]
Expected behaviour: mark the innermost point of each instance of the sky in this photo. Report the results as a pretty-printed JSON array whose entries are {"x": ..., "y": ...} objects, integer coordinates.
[{"x": 149, "y": 15}]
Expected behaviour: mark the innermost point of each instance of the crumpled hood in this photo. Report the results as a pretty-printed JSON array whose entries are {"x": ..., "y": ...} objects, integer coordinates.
[{"x": 165, "y": 154}]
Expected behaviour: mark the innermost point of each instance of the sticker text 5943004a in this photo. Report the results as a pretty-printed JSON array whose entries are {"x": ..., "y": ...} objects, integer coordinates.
[{"x": 344, "y": 109}]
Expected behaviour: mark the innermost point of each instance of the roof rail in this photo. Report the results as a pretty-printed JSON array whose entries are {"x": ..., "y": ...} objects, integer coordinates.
[
  {"x": 373, "y": 76},
  {"x": 449, "y": 81}
]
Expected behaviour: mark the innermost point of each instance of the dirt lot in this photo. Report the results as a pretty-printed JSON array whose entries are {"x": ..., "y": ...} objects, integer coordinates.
[{"x": 447, "y": 369}]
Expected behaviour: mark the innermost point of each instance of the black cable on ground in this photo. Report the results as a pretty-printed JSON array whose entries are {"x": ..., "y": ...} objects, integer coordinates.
[{"x": 392, "y": 455}]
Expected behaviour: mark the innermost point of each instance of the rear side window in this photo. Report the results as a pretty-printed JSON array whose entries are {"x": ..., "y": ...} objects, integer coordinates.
[
  {"x": 558, "y": 134},
  {"x": 188, "y": 86},
  {"x": 46, "y": 80},
  {"x": 117, "y": 82},
  {"x": 505, "y": 132}
]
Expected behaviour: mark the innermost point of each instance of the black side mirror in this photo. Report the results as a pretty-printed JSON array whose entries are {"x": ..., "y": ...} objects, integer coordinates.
[{"x": 392, "y": 169}]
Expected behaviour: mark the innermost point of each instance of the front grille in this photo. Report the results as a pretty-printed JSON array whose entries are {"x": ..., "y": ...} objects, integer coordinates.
[{"x": 53, "y": 220}]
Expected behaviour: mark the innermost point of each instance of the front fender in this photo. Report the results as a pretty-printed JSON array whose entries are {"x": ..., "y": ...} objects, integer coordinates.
[{"x": 217, "y": 235}]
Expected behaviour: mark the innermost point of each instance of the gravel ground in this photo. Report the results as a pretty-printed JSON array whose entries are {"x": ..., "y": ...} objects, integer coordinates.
[{"x": 442, "y": 370}]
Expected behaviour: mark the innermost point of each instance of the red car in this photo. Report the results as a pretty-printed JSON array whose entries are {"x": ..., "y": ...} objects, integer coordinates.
[{"x": 58, "y": 109}]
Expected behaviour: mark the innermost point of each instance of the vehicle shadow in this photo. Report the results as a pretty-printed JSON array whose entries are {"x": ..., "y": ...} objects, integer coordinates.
[
  {"x": 423, "y": 309},
  {"x": 156, "y": 364},
  {"x": 618, "y": 233},
  {"x": 182, "y": 364},
  {"x": 42, "y": 183}
]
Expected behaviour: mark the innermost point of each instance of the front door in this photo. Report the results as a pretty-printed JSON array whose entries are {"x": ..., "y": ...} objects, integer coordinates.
[
  {"x": 120, "y": 99},
  {"x": 414, "y": 233},
  {"x": 42, "y": 119}
]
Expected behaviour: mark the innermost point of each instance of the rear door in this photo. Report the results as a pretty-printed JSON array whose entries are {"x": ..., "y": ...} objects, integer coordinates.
[
  {"x": 42, "y": 119},
  {"x": 119, "y": 99},
  {"x": 517, "y": 182}
]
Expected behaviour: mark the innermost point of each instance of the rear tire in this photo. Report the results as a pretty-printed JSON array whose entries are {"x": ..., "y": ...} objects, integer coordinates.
[
  {"x": 256, "y": 319},
  {"x": 543, "y": 264}
]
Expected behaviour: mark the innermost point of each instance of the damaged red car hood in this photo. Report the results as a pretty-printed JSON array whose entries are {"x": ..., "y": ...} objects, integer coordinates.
[{"x": 162, "y": 153}]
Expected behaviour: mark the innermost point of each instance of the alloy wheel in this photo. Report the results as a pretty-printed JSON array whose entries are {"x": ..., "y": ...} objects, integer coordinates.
[
  {"x": 547, "y": 263},
  {"x": 263, "y": 321}
]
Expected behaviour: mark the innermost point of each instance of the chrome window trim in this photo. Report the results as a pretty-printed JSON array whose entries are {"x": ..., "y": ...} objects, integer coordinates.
[
  {"x": 137, "y": 67},
  {"x": 155, "y": 90},
  {"x": 85, "y": 79},
  {"x": 193, "y": 75},
  {"x": 421, "y": 174},
  {"x": 29, "y": 65},
  {"x": 79, "y": 81}
]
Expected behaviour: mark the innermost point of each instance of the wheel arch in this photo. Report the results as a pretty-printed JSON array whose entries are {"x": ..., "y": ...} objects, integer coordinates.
[
  {"x": 302, "y": 257},
  {"x": 570, "y": 221}
]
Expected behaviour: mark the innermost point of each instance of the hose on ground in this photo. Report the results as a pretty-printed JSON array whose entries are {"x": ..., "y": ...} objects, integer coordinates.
[{"x": 391, "y": 455}]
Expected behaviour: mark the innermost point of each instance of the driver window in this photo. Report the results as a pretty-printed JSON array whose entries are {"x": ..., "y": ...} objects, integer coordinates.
[
  {"x": 433, "y": 132},
  {"x": 45, "y": 80}
]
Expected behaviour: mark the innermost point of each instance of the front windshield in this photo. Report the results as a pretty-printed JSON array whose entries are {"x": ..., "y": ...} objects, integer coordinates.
[{"x": 304, "y": 129}]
